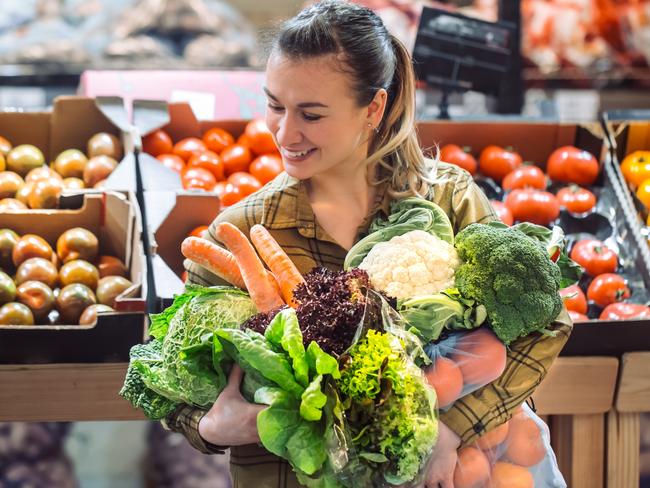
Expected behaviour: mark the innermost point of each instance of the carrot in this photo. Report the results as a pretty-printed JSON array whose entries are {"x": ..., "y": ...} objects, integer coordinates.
[
  {"x": 257, "y": 279},
  {"x": 277, "y": 260},
  {"x": 213, "y": 258}
]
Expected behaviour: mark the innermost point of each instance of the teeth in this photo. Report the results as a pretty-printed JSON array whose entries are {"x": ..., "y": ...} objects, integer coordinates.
[{"x": 292, "y": 154}]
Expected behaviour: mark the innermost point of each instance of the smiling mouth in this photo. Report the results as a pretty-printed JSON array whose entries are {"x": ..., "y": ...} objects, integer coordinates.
[{"x": 296, "y": 154}]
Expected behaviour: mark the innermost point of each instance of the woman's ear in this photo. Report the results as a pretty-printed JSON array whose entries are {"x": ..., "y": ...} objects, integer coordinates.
[{"x": 377, "y": 107}]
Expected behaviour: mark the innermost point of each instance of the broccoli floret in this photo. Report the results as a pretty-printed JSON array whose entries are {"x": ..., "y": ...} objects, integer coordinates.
[
  {"x": 512, "y": 276},
  {"x": 134, "y": 390}
]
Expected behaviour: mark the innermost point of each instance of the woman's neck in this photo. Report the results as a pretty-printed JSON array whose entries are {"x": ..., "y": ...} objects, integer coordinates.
[{"x": 350, "y": 191}]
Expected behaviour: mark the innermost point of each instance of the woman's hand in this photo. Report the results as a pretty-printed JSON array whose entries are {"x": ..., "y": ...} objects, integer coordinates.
[
  {"x": 440, "y": 471},
  {"x": 232, "y": 421}
]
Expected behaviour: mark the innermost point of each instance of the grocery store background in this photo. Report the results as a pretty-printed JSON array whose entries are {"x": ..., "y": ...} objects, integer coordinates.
[{"x": 579, "y": 57}]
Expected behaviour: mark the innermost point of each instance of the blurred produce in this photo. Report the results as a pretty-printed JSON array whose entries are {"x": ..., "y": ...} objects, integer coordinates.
[
  {"x": 37, "y": 286},
  {"x": 27, "y": 182},
  {"x": 216, "y": 163}
]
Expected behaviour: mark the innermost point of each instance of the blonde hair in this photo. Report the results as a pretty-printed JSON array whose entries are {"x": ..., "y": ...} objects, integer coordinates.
[{"x": 395, "y": 149}]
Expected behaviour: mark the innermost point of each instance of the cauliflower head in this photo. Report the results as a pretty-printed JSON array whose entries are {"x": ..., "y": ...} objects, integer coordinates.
[{"x": 411, "y": 264}]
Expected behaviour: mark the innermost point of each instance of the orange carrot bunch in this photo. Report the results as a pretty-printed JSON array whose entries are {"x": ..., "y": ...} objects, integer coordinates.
[{"x": 241, "y": 266}]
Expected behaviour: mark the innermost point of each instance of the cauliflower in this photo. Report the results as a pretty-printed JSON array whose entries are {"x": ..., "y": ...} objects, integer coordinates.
[{"x": 411, "y": 264}]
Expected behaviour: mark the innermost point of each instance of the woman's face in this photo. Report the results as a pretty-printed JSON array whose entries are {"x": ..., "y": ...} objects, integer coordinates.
[{"x": 314, "y": 117}]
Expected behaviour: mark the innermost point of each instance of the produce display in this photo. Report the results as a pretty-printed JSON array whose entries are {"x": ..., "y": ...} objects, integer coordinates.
[
  {"x": 61, "y": 283},
  {"x": 216, "y": 162},
  {"x": 27, "y": 181},
  {"x": 571, "y": 192},
  {"x": 351, "y": 362}
]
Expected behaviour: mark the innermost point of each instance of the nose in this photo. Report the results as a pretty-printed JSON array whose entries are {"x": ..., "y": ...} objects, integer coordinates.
[{"x": 288, "y": 131}]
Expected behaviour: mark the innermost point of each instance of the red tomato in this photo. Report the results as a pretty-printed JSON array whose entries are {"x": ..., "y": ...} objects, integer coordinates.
[
  {"x": 208, "y": 160},
  {"x": 187, "y": 147},
  {"x": 535, "y": 206},
  {"x": 231, "y": 195},
  {"x": 453, "y": 154},
  {"x": 260, "y": 139},
  {"x": 172, "y": 161},
  {"x": 578, "y": 317},
  {"x": 497, "y": 162},
  {"x": 572, "y": 165},
  {"x": 625, "y": 311},
  {"x": 219, "y": 188},
  {"x": 594, "y": 256},
  {"x": 198, "y": 231},
  {"x": 246, "y": 182},
  {"x": 525, "y": 177},
  {"x": 266, "y": 167},
  {"x": 608, "y": 288},
  {"x": 157, "y": 143},
  {"x": 574, "y": 299},
  {"x": 576, "y": 199},
  {"x": 242, "y": 140},
  {"x": 236, "y": 158},
  {"x": 197, "y": 179},
  {"x": 502, "y": 211},
  {"x": 217, "y": 139}
]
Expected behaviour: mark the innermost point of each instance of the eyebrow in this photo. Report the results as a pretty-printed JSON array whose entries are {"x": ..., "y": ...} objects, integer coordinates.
[{"x": 300, "y": 105}]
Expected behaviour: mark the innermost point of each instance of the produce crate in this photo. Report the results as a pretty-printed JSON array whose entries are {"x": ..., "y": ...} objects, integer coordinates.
[
  {"x": 610, "y": 222},
  {"x": 172, "y": 216},
  {"x": 114, "y": 219},
  {"x": 69, "y": 125}
]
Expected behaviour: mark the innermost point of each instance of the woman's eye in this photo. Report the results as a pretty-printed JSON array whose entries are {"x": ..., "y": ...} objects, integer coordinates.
[
  {"x": 275, "y": 108},
  {"x": 312, "y": 117}
]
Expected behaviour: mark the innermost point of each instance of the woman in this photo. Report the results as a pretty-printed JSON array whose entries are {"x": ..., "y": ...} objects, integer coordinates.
[{"x": 341, "y": 108}]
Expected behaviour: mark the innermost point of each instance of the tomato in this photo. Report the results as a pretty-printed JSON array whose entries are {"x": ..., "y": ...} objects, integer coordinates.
[
  {"x": 574, "y": 299},
  {"x": 198, "y": 231},
  {"x": 242, "y": 140},
  {"x": 576, "y": 199},
  {"x": 497, "y": 162},
  {"x": 210, "y": 161},
  {"x": 197, "y": 179},
  {"x": 236, "y": 158},
  {"x": 5, "y": 146},
  {"x": 217, "y": 139},
  {"x": 187, "y": 147},
  {"x": 643, "y": 193},
  {"x": 246, "y": 182},
  {"x": 231, "y": 195},
  {"x": 572, "y": 165},
  {"x": 635, "y": 167},
  {"x": 525, "y": 177},
  {"x": 625, "y": 311},
  {"x": 502, "y": 211},
  {"x": 578, "y": 317},
  {"x": 219, "y": 188},
  {"x": 157, "y": 143},
  {"x": 173, "y": 162},
  {"x": 266, "y": 167},
  {"x": 535, "y": 206},
  {"x": 260, "y": 139},
  {"x": 453, "y": 154},
  {"x": 608, "y": 288},
  {"x": 639, "y": 173},
  {"x": 594, "y": 256}
]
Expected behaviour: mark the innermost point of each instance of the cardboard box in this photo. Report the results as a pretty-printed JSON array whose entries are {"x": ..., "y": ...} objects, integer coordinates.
[
  {"x": 173, "y": 215},
  {"x": 114, "y": 219}
]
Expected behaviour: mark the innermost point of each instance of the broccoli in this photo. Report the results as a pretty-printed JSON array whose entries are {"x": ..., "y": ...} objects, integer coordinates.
[
  {"x": 512, "y": 275},
  {"x": 134, "y": 390}
]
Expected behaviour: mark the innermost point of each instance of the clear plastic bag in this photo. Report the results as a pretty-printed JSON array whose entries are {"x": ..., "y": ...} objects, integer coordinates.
[
  {"x": 463, "y": 362},
  {"x": 390, "y": 422},
  {"x": 516, "y": 454}
]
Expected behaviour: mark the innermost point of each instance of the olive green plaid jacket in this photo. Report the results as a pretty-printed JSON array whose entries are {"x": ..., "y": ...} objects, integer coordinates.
[{"x": 283, "y": 207}]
